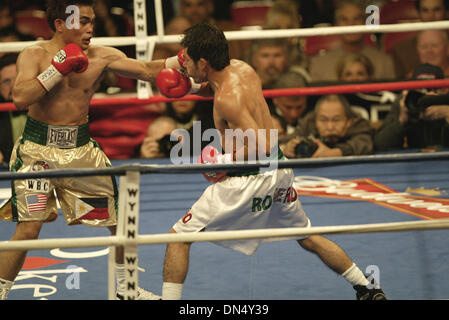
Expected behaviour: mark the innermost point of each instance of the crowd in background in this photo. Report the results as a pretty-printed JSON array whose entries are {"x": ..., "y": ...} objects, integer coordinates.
[{"x": 309, "y": 126}]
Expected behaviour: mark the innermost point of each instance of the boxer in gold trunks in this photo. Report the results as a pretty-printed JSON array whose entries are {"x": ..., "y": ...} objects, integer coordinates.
[{"x": 56, "y": 80}]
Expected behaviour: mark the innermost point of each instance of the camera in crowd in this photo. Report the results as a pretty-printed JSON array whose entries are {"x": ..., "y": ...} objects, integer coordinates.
[
  {"x": 417, "y": 101},
  {"x": 306, "y": 148},
  {"x": 165, "y": 144}
]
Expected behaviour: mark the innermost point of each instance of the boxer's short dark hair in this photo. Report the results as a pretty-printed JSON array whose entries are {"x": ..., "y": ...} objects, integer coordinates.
[
  {"x": 207, "y": 41},
  {"x": 56, "y": 9}
]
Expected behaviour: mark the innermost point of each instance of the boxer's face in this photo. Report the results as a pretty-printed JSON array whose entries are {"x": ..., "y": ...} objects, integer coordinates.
[
  {"x": 82, "y": 35},
  {"x": 196, "y": 70}
]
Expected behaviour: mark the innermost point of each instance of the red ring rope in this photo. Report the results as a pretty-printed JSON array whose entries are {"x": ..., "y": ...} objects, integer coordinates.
[{"x": 335, "y": 89}]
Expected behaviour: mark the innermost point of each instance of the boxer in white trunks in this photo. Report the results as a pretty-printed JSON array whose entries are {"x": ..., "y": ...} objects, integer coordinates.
[{"x": 250, "y": 199}]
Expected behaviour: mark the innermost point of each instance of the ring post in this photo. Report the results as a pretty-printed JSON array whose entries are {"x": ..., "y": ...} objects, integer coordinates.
[
  {"x": 129, "y": 229},
  {"x": 120, "y": 234},
  {"x": 140, "y": 29},
  {"x": 111, "y": 273}
]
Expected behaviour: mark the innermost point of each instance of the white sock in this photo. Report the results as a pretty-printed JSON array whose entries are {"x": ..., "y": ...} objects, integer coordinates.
[
  {"x": 355, "y": 276},
  {"x": 171, "y": 291},
  {"x": 5, "y": 287},
  {"x": 120, "y": 277}
]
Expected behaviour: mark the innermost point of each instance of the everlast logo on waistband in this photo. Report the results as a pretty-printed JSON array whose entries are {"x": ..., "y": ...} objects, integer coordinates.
[{"x": 62, "y": 137}]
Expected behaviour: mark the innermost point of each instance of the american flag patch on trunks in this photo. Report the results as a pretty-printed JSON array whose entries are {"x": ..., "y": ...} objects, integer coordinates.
[{"x": 36, "y": 202}]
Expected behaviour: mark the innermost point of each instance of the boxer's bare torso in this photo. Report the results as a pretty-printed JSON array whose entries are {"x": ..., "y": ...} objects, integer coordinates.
[
  {"x": 68, "y": 102},
  {"x": 239, "y": 103}
]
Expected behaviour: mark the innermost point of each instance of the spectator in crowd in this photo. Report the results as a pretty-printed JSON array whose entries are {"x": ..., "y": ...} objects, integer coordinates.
[
  {"x": 432, "y": 48},
  {"x": 197, "y": 11},
  {"x": 331, "y": 130},
  {"x": 178, "y": 115},
  {"x": 108, "y": 24},
  {"x": 284, "y": 15},
  {"x": 287, "y": 110},
  {"x": 177, "y": 25},
  {"x": 347, "y": 13},
  {"x": 270, "y": 58},
  {"x": 155, "y": 144},
  {"x": 10, "y": 34},
  {"x": 282, "y": 134},
  {"x": 418, "y": 119},
  {"x": 358, "y": 68},
  {"x": 11, "y": 122},
  {"x": 354, "y": 68},
  {"x": 169, "y": 10},
  {"x": 6, "y": 15},
  {"x": 404, "y": 54},
  {"x": 316, "y": 12}
]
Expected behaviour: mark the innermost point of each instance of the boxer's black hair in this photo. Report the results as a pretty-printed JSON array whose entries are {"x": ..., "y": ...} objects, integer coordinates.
[
  {"x": 207, "y": 41},
  {"x": 56, "y": 9}
]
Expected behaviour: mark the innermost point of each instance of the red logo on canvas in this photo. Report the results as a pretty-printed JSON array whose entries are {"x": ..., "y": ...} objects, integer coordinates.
[{"x": 368, "y": 190}]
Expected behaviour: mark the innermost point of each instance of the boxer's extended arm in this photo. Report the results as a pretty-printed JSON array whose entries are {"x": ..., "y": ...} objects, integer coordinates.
[
  {"x": 27, "y": 90},
  {"x": 132, "y": 68},
  {"x": 142, "y": 70}
]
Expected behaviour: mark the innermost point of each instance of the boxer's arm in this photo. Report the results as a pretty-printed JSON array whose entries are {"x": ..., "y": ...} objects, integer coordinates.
[
  {"x": 142, "y": 70},
  {"x": 27, "y": 89},
  {"x": 119, "y": 63}
]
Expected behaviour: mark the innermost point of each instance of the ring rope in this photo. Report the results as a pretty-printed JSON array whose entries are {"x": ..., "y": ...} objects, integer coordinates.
[
  {"x": 222, "y": 235},
  {"x": 231, "y": 167},
  {"x": 256, "y": 34},
  {"x": 270, "y": 93}
]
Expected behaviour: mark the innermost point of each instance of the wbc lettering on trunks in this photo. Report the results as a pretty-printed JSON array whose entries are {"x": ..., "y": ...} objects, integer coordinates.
[{"x": 62, "y": 137}]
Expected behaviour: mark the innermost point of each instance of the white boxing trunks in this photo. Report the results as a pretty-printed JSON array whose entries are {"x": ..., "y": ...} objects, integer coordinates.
[{"x": 264, "y": 200}]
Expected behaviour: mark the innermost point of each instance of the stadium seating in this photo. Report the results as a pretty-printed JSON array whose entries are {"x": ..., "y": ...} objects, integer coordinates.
[
  {"x": 33, "y": 22},
  {"x": 399, "y": 11},
  {"x": 249, "y": 13}
]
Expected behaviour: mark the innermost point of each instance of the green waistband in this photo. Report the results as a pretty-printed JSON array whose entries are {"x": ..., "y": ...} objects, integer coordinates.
[
  {"x": 61, "y": 136},
  {"x": 280, "y": 156}
]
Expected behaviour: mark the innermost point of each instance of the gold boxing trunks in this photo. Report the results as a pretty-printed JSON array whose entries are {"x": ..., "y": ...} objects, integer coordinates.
[{"x": 89, "y": 200}]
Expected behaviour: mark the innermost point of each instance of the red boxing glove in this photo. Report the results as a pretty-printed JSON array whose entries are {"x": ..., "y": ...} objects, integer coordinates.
[
  {"x": 172, "y": 84},
  {"x": 68, "y": 59},
  {"x": 211, "y": 155}
]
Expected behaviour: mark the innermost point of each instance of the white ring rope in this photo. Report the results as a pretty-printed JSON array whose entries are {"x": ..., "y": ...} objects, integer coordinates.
[
  {"x": 256, "y": 34},
  {"x": 222, "y": 235}
]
